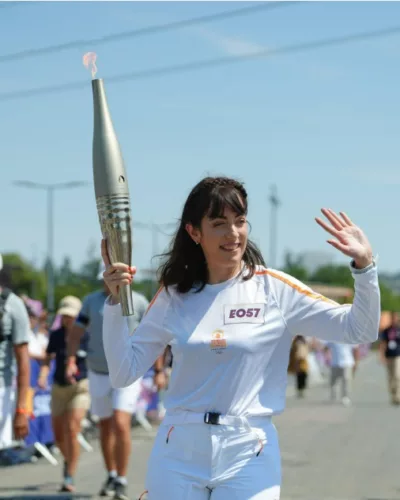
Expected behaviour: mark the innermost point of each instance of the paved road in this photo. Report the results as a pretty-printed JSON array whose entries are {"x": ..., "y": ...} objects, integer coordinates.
[{"x": 329, "y": 452}]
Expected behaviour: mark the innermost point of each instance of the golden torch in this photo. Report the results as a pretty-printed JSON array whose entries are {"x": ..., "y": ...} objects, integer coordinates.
[{"x": 110, "y": 184}]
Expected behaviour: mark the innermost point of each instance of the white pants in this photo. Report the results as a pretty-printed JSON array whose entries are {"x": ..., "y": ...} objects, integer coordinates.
[
  {"x": 344, "y": 375},
  {"x": 198, "y": 461},
  {"x": 105, "y": 398},
  {"x": 7, "y": 397}
]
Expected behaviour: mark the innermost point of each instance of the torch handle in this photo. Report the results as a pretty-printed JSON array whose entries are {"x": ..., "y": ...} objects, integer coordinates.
[
  {"x": 115, "y": 222},
  {"x": 125, "y": 297}
]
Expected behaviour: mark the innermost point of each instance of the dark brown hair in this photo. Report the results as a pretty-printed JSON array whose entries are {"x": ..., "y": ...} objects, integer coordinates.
[{"x": 185, "y": 265}]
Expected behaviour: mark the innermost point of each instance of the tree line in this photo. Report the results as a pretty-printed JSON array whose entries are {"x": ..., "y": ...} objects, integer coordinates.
[{"x": 24, "y": 278}]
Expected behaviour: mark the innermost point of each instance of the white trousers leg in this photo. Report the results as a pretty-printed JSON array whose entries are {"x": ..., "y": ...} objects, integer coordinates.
[
  {"x": 7, "y": 398},
  {"x": 105, "y": 398},
  {"x": 207, "y": 462}
]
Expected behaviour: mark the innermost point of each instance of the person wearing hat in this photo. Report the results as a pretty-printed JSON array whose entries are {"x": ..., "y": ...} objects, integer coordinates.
[
  {"x": 113, "y": 406},
  {"x": 70, "y": 401},
  {"x": 14, "y": 363}
]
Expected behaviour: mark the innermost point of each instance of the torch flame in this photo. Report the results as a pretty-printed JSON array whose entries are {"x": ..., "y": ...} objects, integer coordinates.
[{"x": 89, "y": 60}]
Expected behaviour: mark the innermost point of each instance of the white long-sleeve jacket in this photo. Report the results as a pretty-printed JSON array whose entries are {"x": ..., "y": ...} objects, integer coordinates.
[{"x": 231, "y": 341}]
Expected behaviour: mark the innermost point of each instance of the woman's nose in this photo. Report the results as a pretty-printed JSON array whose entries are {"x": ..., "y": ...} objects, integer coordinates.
[{"x": 232, "y": 231}]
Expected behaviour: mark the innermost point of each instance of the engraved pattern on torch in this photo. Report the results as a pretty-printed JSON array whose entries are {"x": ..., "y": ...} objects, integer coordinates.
[{"x": 114, "y": 213}]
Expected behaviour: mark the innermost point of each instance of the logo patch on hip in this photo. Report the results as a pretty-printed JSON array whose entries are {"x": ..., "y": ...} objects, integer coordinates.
[{"x": 244, "y": 313}]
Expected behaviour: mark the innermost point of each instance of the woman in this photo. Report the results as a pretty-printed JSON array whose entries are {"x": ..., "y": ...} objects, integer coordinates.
[
  {"x": 37, "y": 341},
  {"x": 69, "y": 402},
  {"x": 230, "y": 323}
]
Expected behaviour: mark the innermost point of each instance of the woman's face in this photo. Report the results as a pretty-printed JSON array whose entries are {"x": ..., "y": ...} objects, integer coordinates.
[
  {"x": 33, "y": 321},
  {"x": 223, "y": 240},
  {"x": 67, "y": 321}
]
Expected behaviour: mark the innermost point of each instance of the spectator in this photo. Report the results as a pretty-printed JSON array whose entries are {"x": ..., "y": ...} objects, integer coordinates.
[
  {"x": 301, "y": 351},
  {"x": 69, "y": 401},
  {"x": 37, "y": 340},
  {"x": 114, "y": 407},
  {"x": 14, "y": 360},
  {"x": 43, "y": 325},
  {"x": 342, "y": 362},
  {"x": 390, "y": 356}
]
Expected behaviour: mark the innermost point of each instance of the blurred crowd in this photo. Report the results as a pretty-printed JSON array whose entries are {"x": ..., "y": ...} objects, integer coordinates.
[
  {"x": 55, "y": 391},
  {"x": 56, "y": 395},
  {"x": 330, "y": 362}
]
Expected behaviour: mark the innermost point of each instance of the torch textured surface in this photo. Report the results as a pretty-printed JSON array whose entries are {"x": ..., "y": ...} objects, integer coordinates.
[
  {"x": 111, "y": 190},
  {"x": 115, "y": 222}
]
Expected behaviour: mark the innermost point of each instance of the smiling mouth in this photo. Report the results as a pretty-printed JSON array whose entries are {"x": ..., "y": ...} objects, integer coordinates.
[{"x": 231, "y": 247}]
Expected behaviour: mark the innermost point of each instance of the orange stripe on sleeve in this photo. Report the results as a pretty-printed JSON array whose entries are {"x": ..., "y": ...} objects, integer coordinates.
[
  {"x": 154, "y": 299},
  {"x": 304, "y": 291}
]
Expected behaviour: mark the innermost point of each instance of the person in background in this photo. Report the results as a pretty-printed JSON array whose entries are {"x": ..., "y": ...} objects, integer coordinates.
[
  {"x": 389, "y": 350},
  {"x": 70, "y": 401},
  {"x": 342, "y": 360},
  {"x": 14, "y": 361},
  {"x": 43, "y": 325},
  {"x": 301, "y": 351},
  {"x": 114, "y": 407},
  {"x": 37, "y": 341},
  {"x": 357, "y": 359}
]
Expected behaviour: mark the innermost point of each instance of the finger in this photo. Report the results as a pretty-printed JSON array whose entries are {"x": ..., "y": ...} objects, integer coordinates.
[
  {"x": 327, "y": 227},
  {"x": 339, "y": 246},
  {"x": 123, "y": 281},
  {"x": 337, "y": 218},
  {"x": 346, "y": 219},
  {"x": 104, "y": 253},
  {"x": 118, "y": 267},
  {"x": 120, "y": 279},
  {"x": 333, "y": 218},
  {"x": 120, "y": 275}
]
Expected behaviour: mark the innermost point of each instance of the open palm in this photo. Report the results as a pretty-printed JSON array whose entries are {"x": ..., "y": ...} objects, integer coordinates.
[{"x": 349, "y": 238}]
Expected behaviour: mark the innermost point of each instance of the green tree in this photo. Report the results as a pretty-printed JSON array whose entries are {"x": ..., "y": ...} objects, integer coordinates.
[
  {"x": 145, "y": 287},
  {"x": 390, "y": 301},
  {"x": 65, "y": 273},
  {"x": 294, "y": 266},
  {"x": 333, "y": 275},
  {"x": 341, "y": 275},
  {"x": 78, "y": 289},
  {"x": 91, "y": 266},
  {"x": 25, "y": 279}
]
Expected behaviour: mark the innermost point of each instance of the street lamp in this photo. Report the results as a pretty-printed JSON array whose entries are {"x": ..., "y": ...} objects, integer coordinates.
[
  {"x": 50, "y": 188},
  {"x": 273, "y": 238}
]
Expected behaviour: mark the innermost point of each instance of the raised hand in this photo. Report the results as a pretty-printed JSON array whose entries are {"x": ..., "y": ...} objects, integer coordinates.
[
  {"x": 115, "y": 275},
  {"x": 349, "y": 238}
]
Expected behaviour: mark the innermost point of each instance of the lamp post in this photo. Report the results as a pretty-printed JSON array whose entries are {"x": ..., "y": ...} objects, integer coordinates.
[
  {"x": 50, "y": 188},
  {"x": 273, "y": 241}
]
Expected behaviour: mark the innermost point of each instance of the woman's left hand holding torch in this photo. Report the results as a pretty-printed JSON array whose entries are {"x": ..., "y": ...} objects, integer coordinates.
[{"x": 115, "y": 275}]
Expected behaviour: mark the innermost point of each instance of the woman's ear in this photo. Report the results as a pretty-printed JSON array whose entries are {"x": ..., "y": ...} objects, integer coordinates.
[{"x": 193, "y": 233}]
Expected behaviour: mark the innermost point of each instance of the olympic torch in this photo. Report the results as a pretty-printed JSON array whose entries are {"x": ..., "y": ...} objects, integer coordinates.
[{"x": 110, "y": 184}]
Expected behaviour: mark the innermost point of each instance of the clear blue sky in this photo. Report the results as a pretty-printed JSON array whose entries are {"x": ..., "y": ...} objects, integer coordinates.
[{"x": 322, "y": 125}]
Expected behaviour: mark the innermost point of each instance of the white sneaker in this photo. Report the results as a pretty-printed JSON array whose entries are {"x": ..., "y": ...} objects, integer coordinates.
[{"x": 346, "y": 401}]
